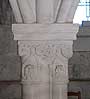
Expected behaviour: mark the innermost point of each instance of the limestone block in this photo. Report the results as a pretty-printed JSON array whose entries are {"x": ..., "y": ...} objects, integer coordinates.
[
  {"x": 10, "y": 91},
  {"x": 45, "y": 31},
  {"x": 79, "y": 65},
  {"x": 7, "y": 44},
  {"x": 10, "y": 67}
]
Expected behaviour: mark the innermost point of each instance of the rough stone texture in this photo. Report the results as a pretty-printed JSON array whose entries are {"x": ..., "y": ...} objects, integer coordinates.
[
  {"x": 82, "y": 43},
  {"x": 6, "y": 14},
  {"x": 10, "y": 64},
  {"x": 10, "y": 67},
  {"x": 10, "y": 91},
  {"x": 79, "y": 65},
  {"x": 7, "y": 44},
  {"x": 83, "y": 87}
]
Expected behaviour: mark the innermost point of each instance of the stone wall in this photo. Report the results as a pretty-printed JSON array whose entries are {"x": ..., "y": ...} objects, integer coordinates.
[
  {"x": 6, "y": 14},
  {"x": 10, "y": 63},
  {"x": 79, "y": 73},
  {"x": 79, "y": 64},
  {"x": 10, "y": 66}
]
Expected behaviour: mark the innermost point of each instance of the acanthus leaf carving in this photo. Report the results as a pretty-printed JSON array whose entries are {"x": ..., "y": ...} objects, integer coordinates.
[{"x": 39, "y": 57}]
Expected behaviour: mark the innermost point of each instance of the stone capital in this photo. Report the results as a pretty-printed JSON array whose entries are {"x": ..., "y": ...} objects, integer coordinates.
[
  {"x": 45, "y": 45},
  {"x": 38, "y": 55}
]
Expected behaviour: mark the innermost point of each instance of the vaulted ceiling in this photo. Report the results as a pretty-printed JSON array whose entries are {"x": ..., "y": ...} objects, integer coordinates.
[
  {"x": 44, "y": 11},
  {"x": 41, "y": 11}
]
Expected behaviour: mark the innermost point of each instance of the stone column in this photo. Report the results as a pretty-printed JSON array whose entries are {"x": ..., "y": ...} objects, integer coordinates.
[
  {"x": 45, "y": 50},
  {"x": 45, "y": 46}
]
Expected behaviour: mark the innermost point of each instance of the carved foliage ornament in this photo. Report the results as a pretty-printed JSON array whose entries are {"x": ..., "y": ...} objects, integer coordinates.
[{"x": 46, "y": 58}]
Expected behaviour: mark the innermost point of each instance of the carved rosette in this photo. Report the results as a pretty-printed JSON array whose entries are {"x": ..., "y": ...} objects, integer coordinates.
[{"x": 42, "y": 60}]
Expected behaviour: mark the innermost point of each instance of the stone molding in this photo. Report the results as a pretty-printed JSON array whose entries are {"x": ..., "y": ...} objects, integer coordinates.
[{"x": 45, "y": 31}]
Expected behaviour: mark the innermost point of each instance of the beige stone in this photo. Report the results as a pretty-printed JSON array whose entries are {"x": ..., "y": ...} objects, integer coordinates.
[{"x": 45, "y": 48}]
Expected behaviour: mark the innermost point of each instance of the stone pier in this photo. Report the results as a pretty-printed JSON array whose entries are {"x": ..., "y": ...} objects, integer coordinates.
[{"x": 45, "y": 36}]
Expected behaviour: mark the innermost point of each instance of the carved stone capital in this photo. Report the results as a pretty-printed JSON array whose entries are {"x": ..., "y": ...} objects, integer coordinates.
[
  {"x": 45, "y": 50},
  {"x": 42, "y": 59}
]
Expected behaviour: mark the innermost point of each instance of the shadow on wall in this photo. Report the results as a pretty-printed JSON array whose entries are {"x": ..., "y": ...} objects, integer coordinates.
[
  {"x": 10, "y": 63},
  {"x": 6, "y": 14},
  {"x": 79, "y": 64}
]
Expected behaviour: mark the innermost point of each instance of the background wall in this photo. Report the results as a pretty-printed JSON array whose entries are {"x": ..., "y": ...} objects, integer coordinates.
[
  {"x": 6, "y": 15},
  {"x": 10, "y": 63},
  {"x": 79, "y": 64}
]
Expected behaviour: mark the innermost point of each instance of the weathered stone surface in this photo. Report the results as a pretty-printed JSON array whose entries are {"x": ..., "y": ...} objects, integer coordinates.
[
  {"x": 83, "y": 87},
  {"x": 10, "y": 67},
  {"x": 7, "y": 44},
  {"x": 10, "y": 91},
  {"x": 79, "y": 65},
  {"x": 82, "y": 42},
  {"x": 6, "y": 14}
]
